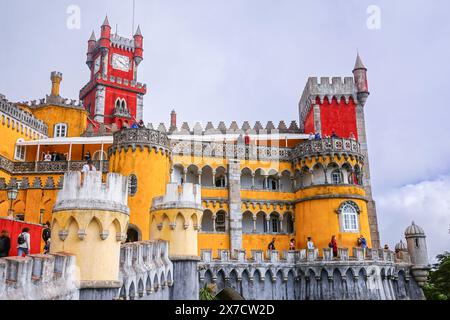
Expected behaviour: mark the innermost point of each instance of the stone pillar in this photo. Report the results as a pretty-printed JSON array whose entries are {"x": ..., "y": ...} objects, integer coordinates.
[
  {"x": 185, "y": 278},
  {"x": 235, "y": 215},
  {"x": 254, "y": 224},
  {"x": 371, "y": 207},
  {"x": 317, "y": 120},
  {"x": 253, "y": 181}
]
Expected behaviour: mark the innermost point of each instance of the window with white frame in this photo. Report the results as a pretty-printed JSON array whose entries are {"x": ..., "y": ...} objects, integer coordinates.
[
  {"x": 60, "y": 130},
  {"x": 349, "y": 215},
  {"x": 20, "y": 153},
  {"x": 336, "y": 177}
]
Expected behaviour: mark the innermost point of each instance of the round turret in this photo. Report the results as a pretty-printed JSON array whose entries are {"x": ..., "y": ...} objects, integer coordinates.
[
  {"x": 414, "y": 231},
  {"x": 401, "y": 246},
  {"x": 138, "y": 47},
  {"x": 105, "y": 35}
]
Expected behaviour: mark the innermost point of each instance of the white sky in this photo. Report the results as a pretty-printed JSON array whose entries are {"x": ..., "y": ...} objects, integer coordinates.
[{"x": 227, "y": 60}]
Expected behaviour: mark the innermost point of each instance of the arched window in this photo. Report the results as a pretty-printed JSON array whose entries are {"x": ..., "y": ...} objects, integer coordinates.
[
  {"x": 60, "y": 130},
  {"x": 220, "y": 221},
  {"x": 20, "y": 152},
  {"x": 349, "y": 216},
  {"x": 132, "y": 185},
  {"x": 274, "y": 223},
  {"x": 220, "y": 182},
  {"x": 336, "y": 177}
]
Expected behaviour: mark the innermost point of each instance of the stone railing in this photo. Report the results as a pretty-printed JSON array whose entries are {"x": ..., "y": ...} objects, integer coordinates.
[
  {"x": 50, "y": 167},
  {"x": 340, "y": 146},
  {"x": 146, "y": 271},
  {"x": 230, "y": 151},
  {"x": 38, "y": 277},
  {"x": 303, "y": 275},
  {"x": 22, "y": 116},
  {"x": 140, "y": 138}
]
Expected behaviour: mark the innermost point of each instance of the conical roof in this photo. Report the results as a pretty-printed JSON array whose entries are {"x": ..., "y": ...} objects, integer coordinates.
[
  {"x": 359, "y": 64},
  {"x": 106, "y": 22},
  {"x": 92, "y": 38},
  {"x": 138, "y": 31}
]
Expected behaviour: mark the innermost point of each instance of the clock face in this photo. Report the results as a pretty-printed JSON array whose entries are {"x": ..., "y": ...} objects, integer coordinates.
[
  {"x": 97, "y": 64},
  {"x": 120, "y": 62}
]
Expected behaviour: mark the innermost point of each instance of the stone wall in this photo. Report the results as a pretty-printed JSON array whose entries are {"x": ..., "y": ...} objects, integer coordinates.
[
  {"x": 303, "y": 275},
  {"x": 38, "y": 277},
  {"x": 146, "y": 272}
]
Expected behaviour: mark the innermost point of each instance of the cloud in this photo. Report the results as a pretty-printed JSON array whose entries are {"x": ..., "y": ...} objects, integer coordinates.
[{"x": 427, "y": 203}]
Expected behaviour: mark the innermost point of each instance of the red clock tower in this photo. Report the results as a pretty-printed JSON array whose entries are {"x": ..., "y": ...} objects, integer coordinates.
[{"x": 113, "y": 95}]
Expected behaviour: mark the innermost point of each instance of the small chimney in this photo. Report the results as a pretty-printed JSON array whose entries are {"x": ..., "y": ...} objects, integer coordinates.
[
  {"x": 173, "y": 119},
  {"x": 56, "y": 78}
]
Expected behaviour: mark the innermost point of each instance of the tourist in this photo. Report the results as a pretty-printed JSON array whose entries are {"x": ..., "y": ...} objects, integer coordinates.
[
  {"x": 134, "y": 126},
  {"x": 89, "y": 167},
  {"x": 362, "y": 242},
  {"x": 333, "y": 245},
  {"x": 311, "y": 136},
  {"x": 310, "y": 244},
  {"x": 334, "y": 135},
  {"x": 271, "y": 245},
  {"x": 55, "y": 156},
  {"x": 23, "y": 242},
  {"x": 47, "y": 246},
  {"x": 46, "y": 232},
  {"x": 292, "y": 244},
  {"x": 317, "y": 136},
  {"x": 141, "y": 124},
  {"x": 87, "y": 156},
  {"x": 5, "y": 244},
  {"x": 47, "y": 157},
  {"x": 386, "y": 247}
]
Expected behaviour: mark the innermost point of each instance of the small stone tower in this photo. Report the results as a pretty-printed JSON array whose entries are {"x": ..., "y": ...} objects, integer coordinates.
[
  {"x": 176, "y": 218},
  {"x": 89, "y": 221},
  {"x": 417, "y": 248}
]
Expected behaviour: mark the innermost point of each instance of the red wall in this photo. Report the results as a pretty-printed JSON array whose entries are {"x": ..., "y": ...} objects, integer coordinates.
[
  {"x": 309, "y": 122},
  {"x": 338, "y": 117},
  {"x": 15, "y": 228}
]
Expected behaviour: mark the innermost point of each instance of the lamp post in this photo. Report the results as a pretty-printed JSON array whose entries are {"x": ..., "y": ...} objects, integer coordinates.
[{"x": 13, "y": 192}]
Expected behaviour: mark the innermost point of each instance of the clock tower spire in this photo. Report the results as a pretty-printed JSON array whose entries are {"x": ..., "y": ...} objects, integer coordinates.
[{"x": 113, "y": 95}]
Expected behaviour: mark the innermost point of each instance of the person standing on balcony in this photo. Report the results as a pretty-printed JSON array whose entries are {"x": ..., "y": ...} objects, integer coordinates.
[
  {"x": 362, "y": 242},
  {"x": 47, "y": 157},
  {"x": 87, "y": 156},
  {"x": 46, "y": 234},
  {"x": 89, "y": 167},
  {"x": 292, "y": 244},
  {"x": 5, "y": 244},
  {"x": 334, "y": 135},
  {"x": 271, "y": 245},
  {"x": 317, "y": 136},
  {"x": 333, "y": 245},
  {"x": 141, "y": 124},
  {"x": 310, "y": 244},
  {"x": 23, "y": 242}
]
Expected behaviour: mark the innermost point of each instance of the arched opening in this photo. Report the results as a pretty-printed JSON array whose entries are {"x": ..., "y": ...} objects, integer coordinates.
[
  {"x": 221, "y": 221},
  {"x": 133, "y": 234},
  {"x": 274, "y": 223},
  {"x": 286, "y": 182},
  {"x": 192, "y": 174},
  {"x": 305, "y": 177},
  {"x": 207, "y": 177},
  {"x": 259, "y": 179},
  {"x": 220, "y": 178},
  {"x": 272, "y": 181},
  {"x": 177, "y": 174},
  {"x": 246, "y": 179},
  {"x": 261, "y": 226},
  {"x": 318, "y": 174},
  {"x": 247, "y": 222},
  {"x": 207, "y": 221},
  {"x": 288, "y": 223}
]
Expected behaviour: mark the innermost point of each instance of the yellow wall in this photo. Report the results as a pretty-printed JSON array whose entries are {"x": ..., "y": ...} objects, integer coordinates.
[
  {"x": 179, "y": 227},
  {"x": 152, "y": 172},
  {"x": 319, "y": 218},
  {"x": 76, "y": 119},
  {"x": 97, "y": 259}
]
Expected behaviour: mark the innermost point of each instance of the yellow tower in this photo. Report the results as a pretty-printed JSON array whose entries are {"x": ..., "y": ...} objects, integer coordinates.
[
  {"x": 144, "y": 156},
  {"x": 331, "y": 199},
  {"x": 56, "y": 78},
  {"x": 89, "y": 221},
  {"x": 176, "y": 217}
]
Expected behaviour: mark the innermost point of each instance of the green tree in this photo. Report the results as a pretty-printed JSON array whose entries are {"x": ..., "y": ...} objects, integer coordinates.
[{"x": 438, "y": 286}]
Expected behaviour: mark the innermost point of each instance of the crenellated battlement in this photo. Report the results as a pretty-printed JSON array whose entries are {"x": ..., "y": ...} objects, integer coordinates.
[
  {"x": 11, "y": 110},
  {"x": 92, "y": 193},
  {"x": 187, "y": 195},
  {"x": 233, "y": 128},
  {"x": 341, "y": 89},
  {"x": 146, "y": 271},
  {"x": 38, "y": 277}
]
